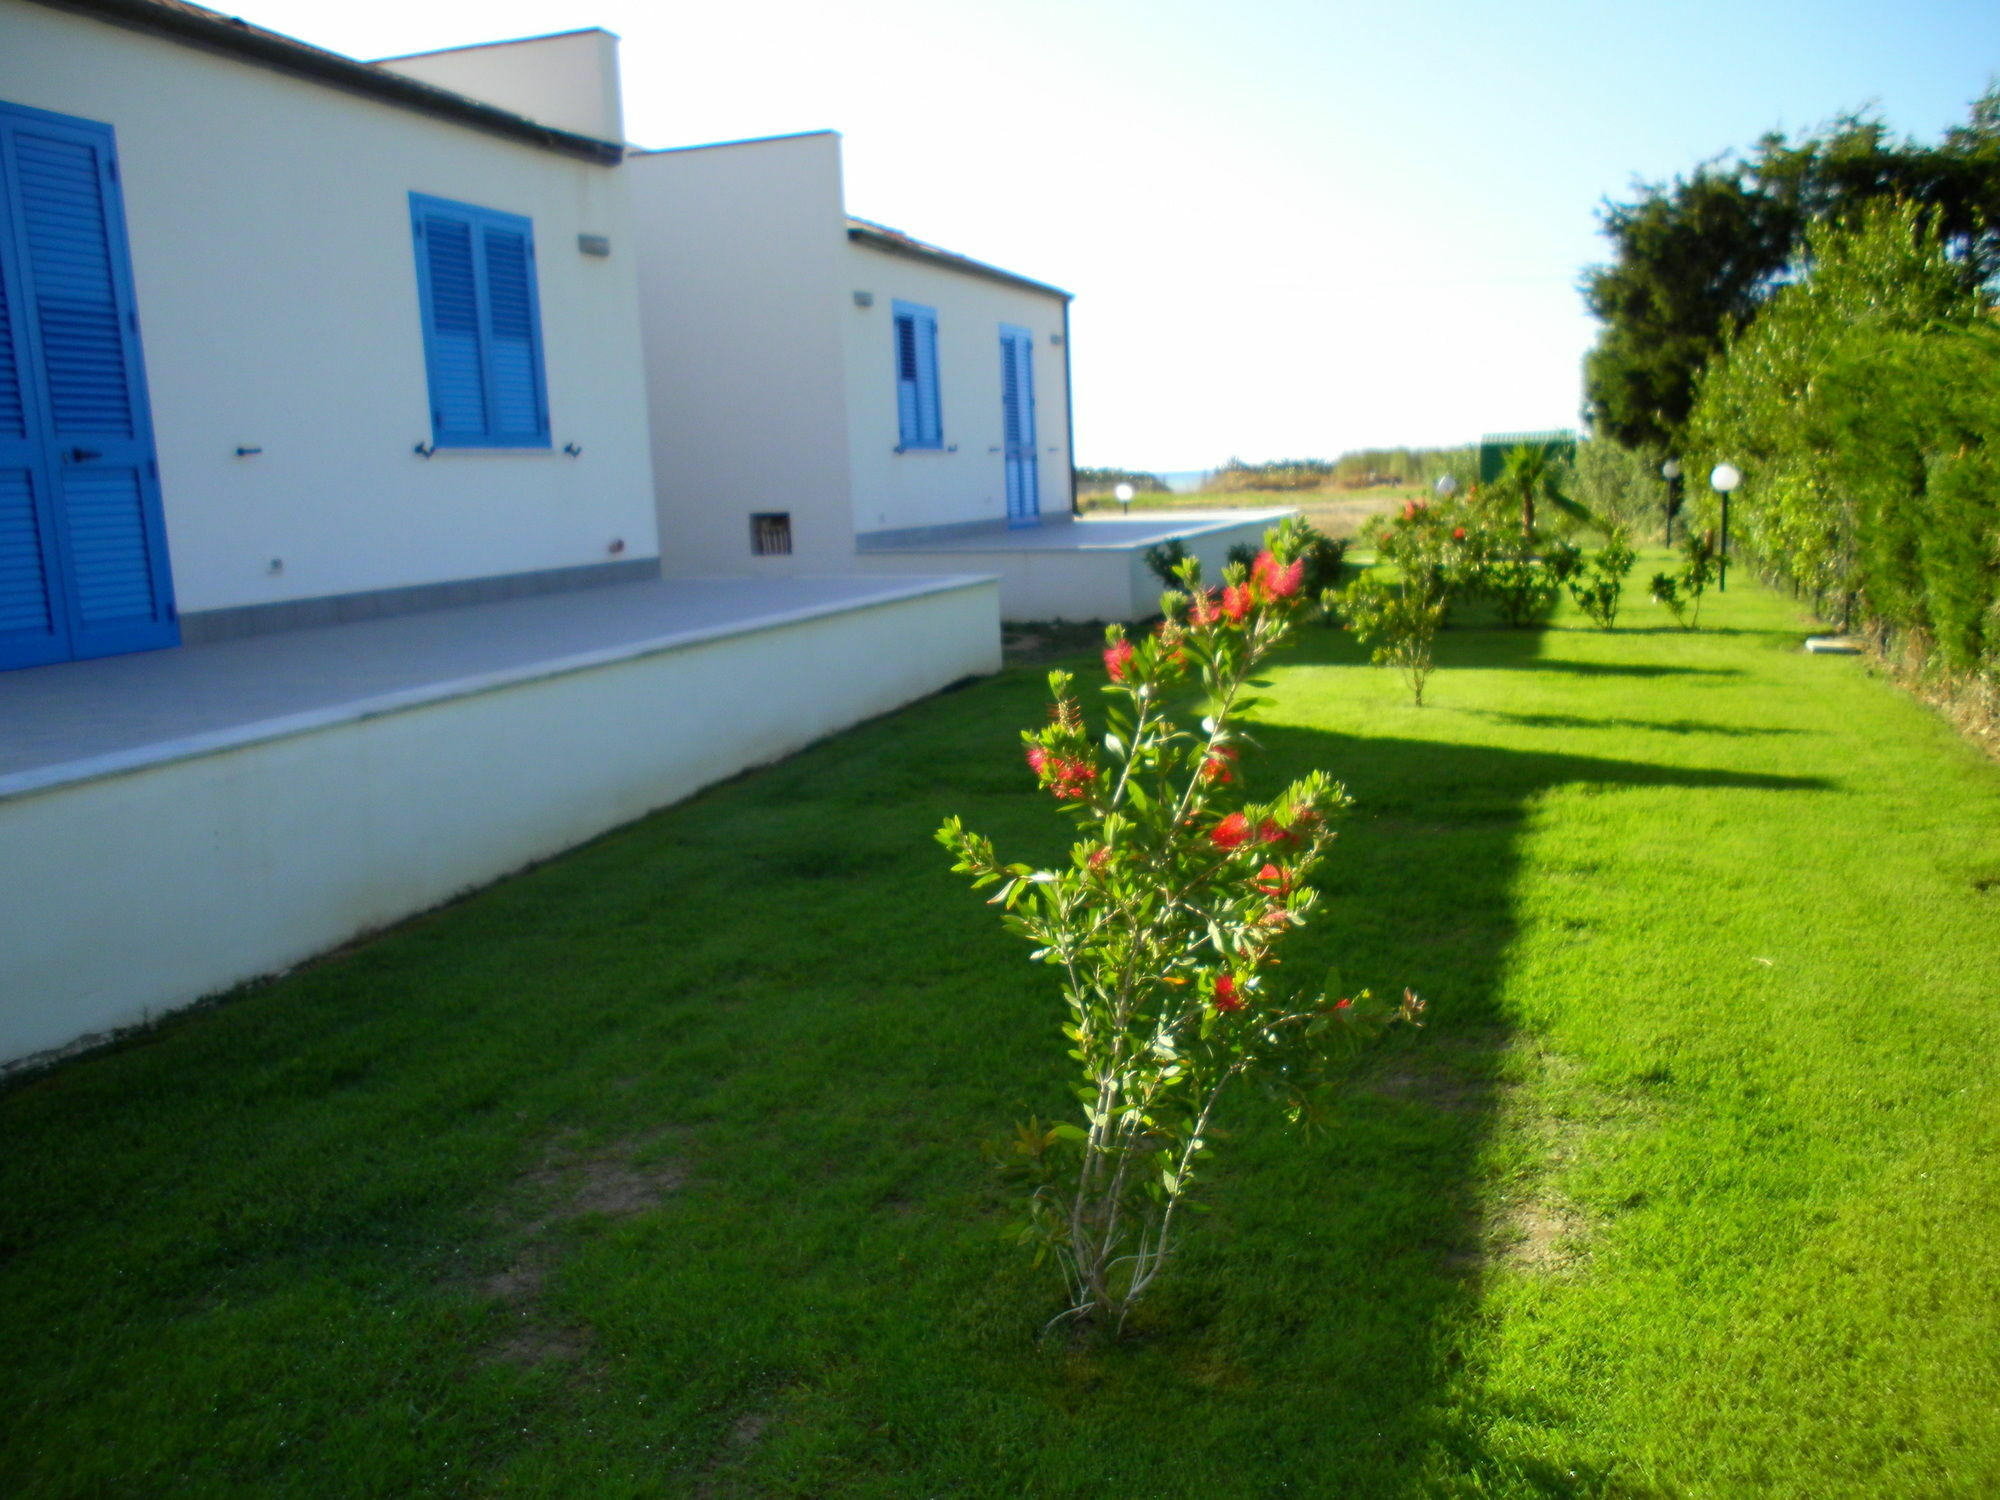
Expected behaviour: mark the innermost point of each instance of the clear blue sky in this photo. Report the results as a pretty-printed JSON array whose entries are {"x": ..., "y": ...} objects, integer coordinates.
[{"x": 1293, "y": 228}]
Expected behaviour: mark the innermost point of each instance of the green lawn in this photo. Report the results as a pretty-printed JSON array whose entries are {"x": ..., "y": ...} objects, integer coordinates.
[
  {"x": 1337, "y": 513},
  {"x": 654, "y": 1171}
]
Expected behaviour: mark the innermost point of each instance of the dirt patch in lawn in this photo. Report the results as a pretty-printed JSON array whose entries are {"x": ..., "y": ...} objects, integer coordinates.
[
  {"x": 570, "y": 1183},
  {"x": 1032, "y": 644},
  {"x": 719, "y": 1481},
  {"x": 1540, "y": 1234}
]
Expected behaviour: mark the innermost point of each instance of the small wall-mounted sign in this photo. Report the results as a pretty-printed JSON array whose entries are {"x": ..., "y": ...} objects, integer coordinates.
[
  {"x": 594, "y": 244},
  {"x": 864, "y": 299},
  {"x": 247, "y": 452}
]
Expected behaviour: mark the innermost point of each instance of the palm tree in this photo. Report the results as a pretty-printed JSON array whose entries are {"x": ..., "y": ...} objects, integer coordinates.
[{"x": 1532, "y": 472}]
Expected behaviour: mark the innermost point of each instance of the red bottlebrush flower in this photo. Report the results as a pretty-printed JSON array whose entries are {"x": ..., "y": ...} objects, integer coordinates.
[
  {"x": 1233, "y": 832},
  {"x": 1070, "y": 779},
  {"x": 1217, "y": 764},
  {"x": 1343, "y": 1004},
  {"x": 1277, "y": 916},
  {"x": 1458, "y": 533},
  {"x": 1100, "y": 857},
  {"x": 1272, "y": 881},
  {"x": 1276, "y": 582},
  {"x": 1116, "y": 656},
  {"x": 1268, "y": 832},
  {"x": 1410, "y": 509},
  {"x": 1227, "y": 996},
  {"x": 1237, "y": 602},
  {"x": 1204, "y": 610}
]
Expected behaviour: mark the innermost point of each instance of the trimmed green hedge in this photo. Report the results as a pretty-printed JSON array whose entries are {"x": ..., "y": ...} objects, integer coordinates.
[{"x": 1863, "y": 408}]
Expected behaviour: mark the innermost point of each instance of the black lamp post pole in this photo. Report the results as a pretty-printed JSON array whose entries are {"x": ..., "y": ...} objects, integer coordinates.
[{"x": 1722, "y": 580}]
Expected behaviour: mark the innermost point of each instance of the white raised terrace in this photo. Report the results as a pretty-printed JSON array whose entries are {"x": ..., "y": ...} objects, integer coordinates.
[
  {"x": 177, "y": 822},
  {"x": 1083, "y": 568}
]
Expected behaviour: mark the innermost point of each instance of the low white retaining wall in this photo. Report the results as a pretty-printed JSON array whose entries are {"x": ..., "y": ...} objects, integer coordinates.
[
  {"x": 1079, "y": 580},
  {"x": 126, "y": 894}
]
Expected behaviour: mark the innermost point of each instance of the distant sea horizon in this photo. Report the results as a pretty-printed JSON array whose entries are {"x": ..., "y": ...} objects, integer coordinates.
[{"x": 1183, "y": 481}]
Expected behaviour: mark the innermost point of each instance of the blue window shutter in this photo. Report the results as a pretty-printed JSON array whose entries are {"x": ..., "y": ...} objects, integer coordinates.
[
  {"x": 908, "y": 432},
  {"x": 918, "y": 416},
  {"x": 930, "y": 418},
  {"x": 30, "y": 629},
  {"x": 513, "y": 358},
  {"x": 83, "y": 557},
  {"x": 451, "y": 330},
  {"x": 481, "y": 326}
]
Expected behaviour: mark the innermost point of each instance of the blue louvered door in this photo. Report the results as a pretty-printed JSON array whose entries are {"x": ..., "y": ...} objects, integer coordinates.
[
  {"x": 1017, "y": 423},
  {"x": 83, "y": 558}
]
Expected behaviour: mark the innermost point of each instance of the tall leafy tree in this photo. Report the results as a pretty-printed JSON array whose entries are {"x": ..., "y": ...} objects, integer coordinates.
[{"x": 1696, "y": 259}]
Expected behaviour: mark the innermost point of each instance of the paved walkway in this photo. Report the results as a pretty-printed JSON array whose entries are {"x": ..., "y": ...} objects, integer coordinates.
[{"x": 78, "y": 719}]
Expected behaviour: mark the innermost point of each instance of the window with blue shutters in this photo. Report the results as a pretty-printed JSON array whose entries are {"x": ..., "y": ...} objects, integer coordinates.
[
  {"x": 918, "y": 421},
  {"x": 482, "y": 325}
]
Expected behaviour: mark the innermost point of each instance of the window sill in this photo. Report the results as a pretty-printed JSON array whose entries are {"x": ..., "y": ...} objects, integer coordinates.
[{"x": 485, "y": 450}]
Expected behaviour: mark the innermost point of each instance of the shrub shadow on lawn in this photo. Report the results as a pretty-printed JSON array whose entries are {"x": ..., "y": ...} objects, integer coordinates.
[
  {"x": 1650, "y": 726},
  {"x": 1357, "y": 1265}
]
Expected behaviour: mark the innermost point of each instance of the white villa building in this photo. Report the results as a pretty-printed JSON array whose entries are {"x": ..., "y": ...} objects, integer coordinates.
[
  {"x": 868, "y": 403},
  {"x": 389, "y": 457}
]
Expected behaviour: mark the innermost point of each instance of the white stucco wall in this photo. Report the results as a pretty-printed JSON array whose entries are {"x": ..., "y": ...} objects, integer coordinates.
[
  {"x": 130, "y": 894},
  {"x": 276, "y": 285},
  {"x": 740, "y": 303},
  {"x": 967, "y": 480},
  {"x": 569, "y": 80}
]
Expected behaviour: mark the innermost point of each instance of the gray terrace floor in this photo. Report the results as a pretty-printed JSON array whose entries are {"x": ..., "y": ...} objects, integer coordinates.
[
  {"x": 80, "y": 719},
  {"x": 1063, "y": 534}
]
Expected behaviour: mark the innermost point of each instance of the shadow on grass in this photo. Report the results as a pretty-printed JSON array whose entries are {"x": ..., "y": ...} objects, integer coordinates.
[
  {"x": 1653, "y": 726},
  {"x": 1490, "y": 649},
  {"x": 1345, "y": 1277}
]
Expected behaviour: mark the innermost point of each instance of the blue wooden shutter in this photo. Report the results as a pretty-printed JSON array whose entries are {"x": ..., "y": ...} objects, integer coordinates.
[
  {"x": 30, "y": 628},
  {"x": 513, "y": 360},
  {"x": 908, "y": 433},
  {"x": 482, "y": 326},
  {"x": 452, "y": 330},
  {"x": 918, "y": 420},
  {"x": 1017, "y": 423},
  {"x": 86, "y": 491},
  {"x": 930, "y": 419}
]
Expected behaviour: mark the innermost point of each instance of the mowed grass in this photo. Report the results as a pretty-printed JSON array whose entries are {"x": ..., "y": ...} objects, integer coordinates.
[{"x": 653, "y": 1171}]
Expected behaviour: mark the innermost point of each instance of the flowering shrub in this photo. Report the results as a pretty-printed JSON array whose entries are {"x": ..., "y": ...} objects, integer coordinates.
[
  {"x": 1399, "y": 617},
  {"x": 1165, "y": 925}
]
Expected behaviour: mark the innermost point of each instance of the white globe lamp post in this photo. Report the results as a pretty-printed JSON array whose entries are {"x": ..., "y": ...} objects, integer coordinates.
[
  {"x": 1722, "y": 479},
  {"x": 1123, "y": 494},
  {"x": 1446, "y": 486}
]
